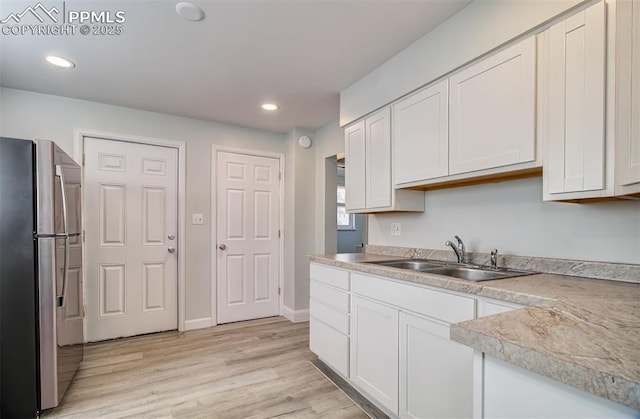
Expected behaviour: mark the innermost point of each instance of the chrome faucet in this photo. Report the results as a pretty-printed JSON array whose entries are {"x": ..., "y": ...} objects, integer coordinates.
[
  {"x": 460, "y": 250},
  {"x": 494, "y": 258}
]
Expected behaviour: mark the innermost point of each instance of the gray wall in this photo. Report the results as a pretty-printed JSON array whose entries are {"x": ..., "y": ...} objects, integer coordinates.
[
  {"x": 512, "y": 217},
  {"x": 301, "y": 219},
  {"x": 30, "y": 115}
]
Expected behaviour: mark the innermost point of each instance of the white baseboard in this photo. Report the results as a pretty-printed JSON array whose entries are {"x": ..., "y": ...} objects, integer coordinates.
[
  {"x": 194, "y": 324},
  {"x": 295, "y": 316}
]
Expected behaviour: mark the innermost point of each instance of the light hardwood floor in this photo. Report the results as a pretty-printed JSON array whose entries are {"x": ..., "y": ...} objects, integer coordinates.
[{"x": 254, "y": 369}]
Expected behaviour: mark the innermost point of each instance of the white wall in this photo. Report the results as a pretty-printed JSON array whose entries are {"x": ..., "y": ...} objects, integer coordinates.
[
  {"x": 477, "y": 29},
  {"x": 30, "y": 115},
  {"x": 512, "y": 217}
]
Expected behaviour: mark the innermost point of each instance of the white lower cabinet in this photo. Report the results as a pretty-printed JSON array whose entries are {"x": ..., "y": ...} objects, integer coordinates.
[
  {"x": 329, "y": 309},
  {"x": 331, "y": 346},
  {"x": 374, "y": 351},
  {"x": 436, "y": 374},
  {"x": 513, "y": 392},
  {"x": 401, "y": 356}
]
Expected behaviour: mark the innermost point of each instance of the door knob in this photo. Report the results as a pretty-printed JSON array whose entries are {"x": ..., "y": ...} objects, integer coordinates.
[
  {"x": 222, "y": 246},
  {"x": 171, "y": 236},
  {"x": 171, "y": 249}
]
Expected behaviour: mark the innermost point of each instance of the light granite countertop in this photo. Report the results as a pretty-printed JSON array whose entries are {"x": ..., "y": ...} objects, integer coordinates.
[{"x": 579, "y": 331}]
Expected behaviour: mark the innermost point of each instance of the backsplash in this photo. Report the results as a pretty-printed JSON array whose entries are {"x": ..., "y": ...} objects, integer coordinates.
[
  {"x": 512, "y": 217},
  {"x": 597, "y": 270}
]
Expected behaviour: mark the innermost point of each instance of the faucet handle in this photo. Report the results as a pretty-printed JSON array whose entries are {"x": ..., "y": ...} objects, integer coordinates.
[{"x": 494, "y": 258}]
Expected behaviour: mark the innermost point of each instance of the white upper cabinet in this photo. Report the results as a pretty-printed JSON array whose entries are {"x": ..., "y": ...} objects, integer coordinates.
[
  {"x": 632, "y": 165},
  {"x": 492, "y": 111},
  {"x": 355, "y": 171},
  {"x": 628, "y": 144},
  {"x": 575, "y": 107},
  {"x": 421, "y": 135},
  {"x": 378, "y": 152},
  {"x": 368, "y": 180}
]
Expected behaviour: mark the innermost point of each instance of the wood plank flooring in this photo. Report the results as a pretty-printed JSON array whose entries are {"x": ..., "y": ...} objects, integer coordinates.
[{"x": 254, "y": 369}]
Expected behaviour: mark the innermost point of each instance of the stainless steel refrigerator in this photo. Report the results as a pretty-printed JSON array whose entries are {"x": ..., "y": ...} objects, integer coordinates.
[{"x": 41, "y": 305}]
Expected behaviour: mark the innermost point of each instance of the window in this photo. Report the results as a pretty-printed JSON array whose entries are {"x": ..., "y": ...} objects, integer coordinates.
[{"x": 345, "y": 221}]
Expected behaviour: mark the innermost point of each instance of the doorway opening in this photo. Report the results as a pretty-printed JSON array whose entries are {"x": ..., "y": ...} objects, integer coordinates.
[{"x": 344, "y": 232}]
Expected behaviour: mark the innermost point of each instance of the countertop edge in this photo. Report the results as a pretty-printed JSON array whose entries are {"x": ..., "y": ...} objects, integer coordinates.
[{"x": 601, "y": 384}]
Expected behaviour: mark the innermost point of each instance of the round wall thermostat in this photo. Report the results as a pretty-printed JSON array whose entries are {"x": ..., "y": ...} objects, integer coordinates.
[{"x": 304, "y": 141}]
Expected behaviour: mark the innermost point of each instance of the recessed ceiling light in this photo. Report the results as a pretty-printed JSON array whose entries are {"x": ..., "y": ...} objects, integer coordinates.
[
  {"x": 269, "y": 106},
  {"x": 59, "y": 61},
  {"x": 189, "y": 11}
]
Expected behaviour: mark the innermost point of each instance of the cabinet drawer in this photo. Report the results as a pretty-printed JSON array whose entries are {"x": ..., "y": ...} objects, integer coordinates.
[
  {"x": 329, "y": 296},
  {"x": 330, "y": 345},
  {"x": 331, "y": 276},
  {"x": 440, "y": 305},
  {"x": 334, "y": 318}
]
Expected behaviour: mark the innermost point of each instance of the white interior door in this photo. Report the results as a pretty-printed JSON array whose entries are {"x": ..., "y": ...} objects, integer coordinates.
[
  {"x": 247, "y": 227},
  {"x": 131, "y": 226}
]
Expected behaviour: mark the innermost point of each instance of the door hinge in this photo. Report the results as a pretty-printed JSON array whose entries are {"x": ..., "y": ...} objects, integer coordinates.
[
  {"x": 278, "y": 290},
  {"x": 279, "y": 175},
  {"x": 84, "y": 158},
  {"x": 84, "y": 309},
  {"x": 279, "y": 234}
]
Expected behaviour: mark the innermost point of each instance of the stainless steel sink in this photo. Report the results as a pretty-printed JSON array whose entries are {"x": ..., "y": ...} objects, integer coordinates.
[
  {"x": 476, "y": 274},
  {"x": 467, "y": 272},
  {"x": 416, "y": 265}
]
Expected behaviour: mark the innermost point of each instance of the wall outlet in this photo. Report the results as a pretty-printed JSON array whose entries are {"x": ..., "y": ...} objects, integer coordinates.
[
  {"x": 197, "y": 218},
  {"x": 396, "y": 229}
]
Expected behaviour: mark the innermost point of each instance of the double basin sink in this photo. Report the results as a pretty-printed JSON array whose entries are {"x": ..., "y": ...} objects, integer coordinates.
[{"x": 456, "y": 270}]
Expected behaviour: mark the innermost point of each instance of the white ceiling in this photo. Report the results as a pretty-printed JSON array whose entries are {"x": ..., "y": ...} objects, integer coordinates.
[{"x": 300, "y": 54}]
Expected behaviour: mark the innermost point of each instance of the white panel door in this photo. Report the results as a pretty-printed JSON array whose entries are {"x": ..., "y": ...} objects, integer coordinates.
[
  {"x": 575, "y": 156},
  {"x": 492, "y": 111},
  {"x": 247, "y": 225},
  {"x": 421, "y": 135},
  {"x": 355, "y": 166},
  {"x": 374, "y": 351},
  {"x": 131, "y": 227},
  {"x": 378, "y": 160},
  {"x": 436, "y": 374}
]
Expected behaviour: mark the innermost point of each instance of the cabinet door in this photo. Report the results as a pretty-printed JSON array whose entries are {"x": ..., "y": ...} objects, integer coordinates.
[
  {"x": 492, "y": 103},
  {"x": 354, "y": 172},
  {"x": 331, "y": 346},
  {"x": 575, "y": 144},
  {"x": 632, "y": 165},
  {"x": 421, "y": 135},
  {"x": 513, "y": 392},
  {"x": 378, "y": 167},
  {"x": 374, "y": 351},
  {"x": 436, "y": 374}
]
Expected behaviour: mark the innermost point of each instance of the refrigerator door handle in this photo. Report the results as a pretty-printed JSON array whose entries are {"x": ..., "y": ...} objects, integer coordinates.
[{"x": 65, "y": 274}]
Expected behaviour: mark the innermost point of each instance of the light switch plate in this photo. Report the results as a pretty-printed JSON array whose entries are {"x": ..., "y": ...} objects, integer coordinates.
[
  {"x": 396, "y": 229},
  {"x": 197, "y": 219}
]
